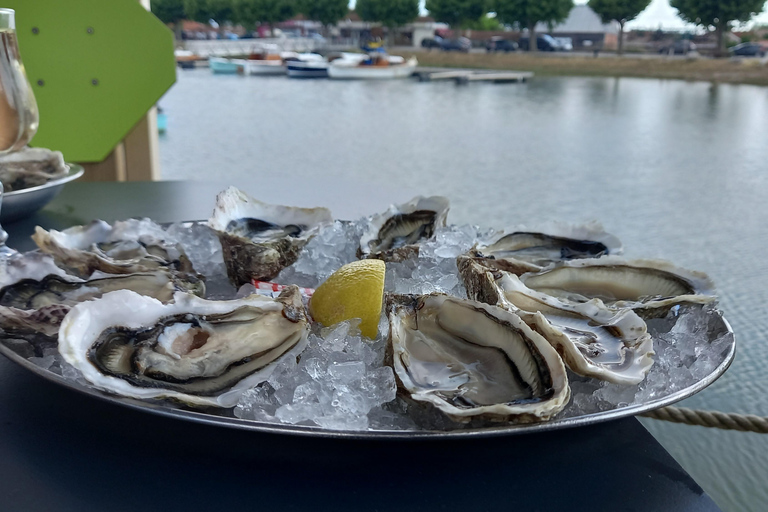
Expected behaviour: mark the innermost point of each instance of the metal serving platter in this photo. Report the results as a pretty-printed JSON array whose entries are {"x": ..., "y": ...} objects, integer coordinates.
[
  {"x": 21, "y": 203},
  {"x": 225, "y": 417}
]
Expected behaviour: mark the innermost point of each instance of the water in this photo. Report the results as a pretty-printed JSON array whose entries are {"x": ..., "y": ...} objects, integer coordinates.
[{"x": 675, "y": 169}]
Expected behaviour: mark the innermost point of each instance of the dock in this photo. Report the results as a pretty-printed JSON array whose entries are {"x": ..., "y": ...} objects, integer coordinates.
[{"x": 463, "y": 76}]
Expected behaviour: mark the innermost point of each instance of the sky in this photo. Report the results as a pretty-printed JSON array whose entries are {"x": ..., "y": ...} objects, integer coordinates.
[{"x": 658, "y": 14}]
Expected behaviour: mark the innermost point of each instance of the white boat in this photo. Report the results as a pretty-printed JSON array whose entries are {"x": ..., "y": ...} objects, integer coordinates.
[
  {"x": 220, "y": 65},
  {"x": 395, "y": 67},
  {"x": 264, "y": 67},
  {"x": 307, "y": 65}
]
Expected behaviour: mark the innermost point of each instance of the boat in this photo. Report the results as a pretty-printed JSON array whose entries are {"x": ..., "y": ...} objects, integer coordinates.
[
  {"x": 373, "y": 67},
  {"x": 268, "y": 60},
  {"x": 221, "y": 65},
  {"x": 307, "y": 65}
]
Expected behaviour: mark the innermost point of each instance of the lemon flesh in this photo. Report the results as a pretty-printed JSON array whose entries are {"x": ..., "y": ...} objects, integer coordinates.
[{"x": 354, "y": 291}]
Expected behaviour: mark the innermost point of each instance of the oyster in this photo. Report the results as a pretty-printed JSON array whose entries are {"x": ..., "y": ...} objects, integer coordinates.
[
  {"x": 529, "y": 250},
  {"x": 258, "y": 240},
  {"x": 395, "y": 234},
  {"x": 197, "y": 351},
  {"x": 31, "y": 167},
  {"x": 643, "y": 285},
  {"x": 120, "y": 249},
  {"x": 594, "y": 341},
  {"x": 473, "y": 360},
  {"x": 54, "y": 289}
]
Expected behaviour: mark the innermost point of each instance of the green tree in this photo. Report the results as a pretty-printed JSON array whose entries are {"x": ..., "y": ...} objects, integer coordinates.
[
  {"x": 457, "y": 13},
  {"x": 205, "y": 10},
  {"x": 718, "y": 14},
  {"x": 485, "y": 22},
  {"x": 269, "y": 12},
  {"x": 326, "y": 12},
  {"x": 618, "y": 10},
  {"x": 170, "y": 11},
  {"x": 527, "y": 13},
  {"x": 390, "y": 13}
]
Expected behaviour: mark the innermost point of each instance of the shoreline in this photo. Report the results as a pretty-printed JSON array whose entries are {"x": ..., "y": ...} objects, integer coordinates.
[{"x": 744, "y": 71}]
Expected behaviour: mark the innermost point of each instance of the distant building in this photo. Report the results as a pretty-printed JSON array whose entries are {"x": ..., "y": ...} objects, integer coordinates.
[{"x": 585, "y": 29}]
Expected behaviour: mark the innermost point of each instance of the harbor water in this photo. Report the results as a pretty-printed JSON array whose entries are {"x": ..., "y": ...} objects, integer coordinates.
[{"x": 676, "y": 169}]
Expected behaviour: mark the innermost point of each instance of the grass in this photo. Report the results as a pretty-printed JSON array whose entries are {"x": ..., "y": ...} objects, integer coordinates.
[{"x": 747, "y": 71}]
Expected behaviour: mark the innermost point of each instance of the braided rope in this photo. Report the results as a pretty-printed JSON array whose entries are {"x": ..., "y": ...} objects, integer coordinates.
[{"x": 712, "y": 419}]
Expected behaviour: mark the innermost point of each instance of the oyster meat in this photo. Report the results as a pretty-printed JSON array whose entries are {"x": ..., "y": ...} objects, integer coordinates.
[
  {"x": 31, "y": 167},
  {"x": 258, "y": 240},
  {"x": 594, "y": 341},
  {"x": 118, "y": 249},
  {"x": 395, "y": 235},
  {"x": 200, "y": 352},
  {"x": 473, "y": 360},
  {"x": 529, "y": 250},
  {"x": 648, "y": 286}
]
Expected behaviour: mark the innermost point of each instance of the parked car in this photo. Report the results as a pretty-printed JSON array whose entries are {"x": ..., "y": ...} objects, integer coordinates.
[
  {"x": 748, "y": 50},
  {"x": 499, "y": 44},
  {"x": 461, "y": 44},
  {"x": 681, "y": 47},
  {"x": 564, "y": 44},
  {"x": 544, "y": 43},
  {"x": 429, "y": 42}
]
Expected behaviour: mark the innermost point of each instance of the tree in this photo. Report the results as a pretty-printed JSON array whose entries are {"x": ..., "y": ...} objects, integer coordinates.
[
  {"x": 527, "y": 13},
  {"x": 326, "y": 12},
  {"x": 170, "y": 11},
  {"x": 485, "y": 22},
  {"x": 457, "y": 13},
  {"x": 390, "y": 13},
  {"x": 205, "y": 10},
  {"x": 718, "y": 14},
  {"x": 618, "y": 10},
  {"x": 249, "y": 12}
]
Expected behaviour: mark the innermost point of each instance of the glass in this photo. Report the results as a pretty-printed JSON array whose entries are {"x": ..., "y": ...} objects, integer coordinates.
[
  {"x": 18, "y": 109},
  {"x": 4, "y": 251}
]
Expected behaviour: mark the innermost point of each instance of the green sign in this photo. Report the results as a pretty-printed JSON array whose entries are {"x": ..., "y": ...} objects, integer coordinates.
[{"x": 96, "y": 68}]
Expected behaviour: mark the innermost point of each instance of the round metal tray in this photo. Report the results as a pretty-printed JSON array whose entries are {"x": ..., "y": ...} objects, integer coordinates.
[
  {"x": 24, "y": 202},
  {"x": 225, "y": 418}
]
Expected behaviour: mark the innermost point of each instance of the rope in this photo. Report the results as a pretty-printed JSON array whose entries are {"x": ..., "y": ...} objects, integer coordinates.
[{"x": 712, "y": 419}]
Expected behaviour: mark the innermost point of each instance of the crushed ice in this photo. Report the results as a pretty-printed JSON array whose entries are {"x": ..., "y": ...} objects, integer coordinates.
[{"x": 339, "y": 382}]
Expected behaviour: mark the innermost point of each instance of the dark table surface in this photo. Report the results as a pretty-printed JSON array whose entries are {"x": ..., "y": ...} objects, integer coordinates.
[{"x": 63, "y": 451}]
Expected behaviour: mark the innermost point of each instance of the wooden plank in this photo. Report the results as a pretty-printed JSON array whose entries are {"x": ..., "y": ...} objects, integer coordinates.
[
  {"x": 111, "y": 168},
  {"x": 142, "y": 155}
]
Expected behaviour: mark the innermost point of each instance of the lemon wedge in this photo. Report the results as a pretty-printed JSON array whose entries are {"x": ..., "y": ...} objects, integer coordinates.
[{"x": 354, "y": 291}]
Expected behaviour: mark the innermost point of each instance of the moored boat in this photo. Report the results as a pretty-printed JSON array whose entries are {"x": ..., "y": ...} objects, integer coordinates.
[
  {"x": 374, "y": 67},
  {"x": 221, "y": 65},
  {"x": 307, "y": 65}
]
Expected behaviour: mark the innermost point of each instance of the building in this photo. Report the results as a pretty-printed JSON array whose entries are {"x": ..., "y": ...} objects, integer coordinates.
[{"x": 585, "y": 29}]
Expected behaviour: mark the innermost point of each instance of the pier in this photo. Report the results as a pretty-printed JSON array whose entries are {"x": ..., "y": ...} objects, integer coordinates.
[{"x": 463, "y": 76}]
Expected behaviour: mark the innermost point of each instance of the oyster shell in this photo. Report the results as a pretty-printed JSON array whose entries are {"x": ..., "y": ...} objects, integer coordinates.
[
  {"x": 117, "y": 249},
  {"x": 258, "y": 240},
  {"x": 31, "y": 167},
  {"x": 531, "y": 249},
  {"x": 395, "y": 234},
  {"x": 473, "y": 360},
  {"x": 593, "y": 340},
  {"x": 200, "y": 352},
  {"x": 648, "y": 286}
]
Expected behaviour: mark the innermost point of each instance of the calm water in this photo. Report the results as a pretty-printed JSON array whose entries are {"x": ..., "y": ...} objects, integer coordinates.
[{"x": 677, "y": 170}]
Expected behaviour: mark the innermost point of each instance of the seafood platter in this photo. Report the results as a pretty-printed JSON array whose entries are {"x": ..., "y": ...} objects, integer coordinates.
[{"x": 482, "y": 332}]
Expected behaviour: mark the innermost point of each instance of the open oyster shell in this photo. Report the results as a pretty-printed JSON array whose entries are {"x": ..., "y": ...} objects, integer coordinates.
[
  {"x": 31, "y": 167},
  {"x": 258, "y": 240},
  {"x": 118, "y": 249},
  {"x": 594, "y": 341},
  {"x": 395, "y": 235},
  {"x": 650, "y": 287},
  {"x": 200, "y": 352},
  {"x": 531, "y": 249},
  {"x": 473, "y": 360}
]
